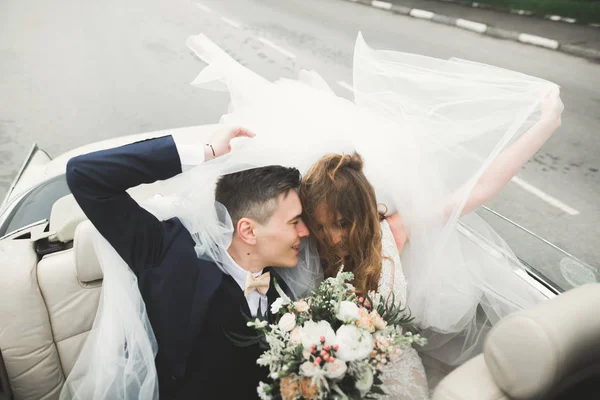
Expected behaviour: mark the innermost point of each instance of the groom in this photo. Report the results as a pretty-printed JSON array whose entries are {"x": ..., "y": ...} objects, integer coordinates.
[{"x": 191, "y": 303}]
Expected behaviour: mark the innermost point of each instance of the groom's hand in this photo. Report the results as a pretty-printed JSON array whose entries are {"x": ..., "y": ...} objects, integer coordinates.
[{"x": 220, "y": 143}]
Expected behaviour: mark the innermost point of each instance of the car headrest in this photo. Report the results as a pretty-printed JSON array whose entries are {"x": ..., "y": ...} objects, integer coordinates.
[
  {"x": 531, "y": 352},
  {"x": 86, "y": 261},
  {"x": 66, "y": 214}
]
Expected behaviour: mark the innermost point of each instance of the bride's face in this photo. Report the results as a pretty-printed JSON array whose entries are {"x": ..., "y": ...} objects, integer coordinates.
[{"x": 330, "y": 225}]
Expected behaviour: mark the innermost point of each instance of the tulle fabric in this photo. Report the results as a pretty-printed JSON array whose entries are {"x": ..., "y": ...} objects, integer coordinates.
[
  {"x": 117, "y": 360},
  {"x": 424, "y": 126}
]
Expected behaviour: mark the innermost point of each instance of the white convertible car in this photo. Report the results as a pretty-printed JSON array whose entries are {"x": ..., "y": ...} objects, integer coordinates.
[{"x": 50, "y": 283}]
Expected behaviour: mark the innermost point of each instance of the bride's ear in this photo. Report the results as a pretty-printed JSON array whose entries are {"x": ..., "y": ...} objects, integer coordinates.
[{"x": 245, "y": 230}]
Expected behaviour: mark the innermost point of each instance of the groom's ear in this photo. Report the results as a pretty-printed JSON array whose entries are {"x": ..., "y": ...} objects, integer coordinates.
[{"x": 245, "y": 229}]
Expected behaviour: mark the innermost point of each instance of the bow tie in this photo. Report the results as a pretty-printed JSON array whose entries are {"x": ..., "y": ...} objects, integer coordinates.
[{"x": 260, "y": 283}]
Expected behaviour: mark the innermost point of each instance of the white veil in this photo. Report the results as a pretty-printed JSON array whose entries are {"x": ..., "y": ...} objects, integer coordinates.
[
  {"x": 425, "y": 127},
  {"x": 450, "y": 120},
  {"x": 117, "y": 359}
]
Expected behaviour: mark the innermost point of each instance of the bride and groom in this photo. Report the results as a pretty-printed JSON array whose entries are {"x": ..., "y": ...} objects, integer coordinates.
[
  {"x": 194, "y": 304},
  {"x": 197, "y": 274}
]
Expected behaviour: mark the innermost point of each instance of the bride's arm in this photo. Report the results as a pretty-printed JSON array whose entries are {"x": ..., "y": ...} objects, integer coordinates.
[
  {"x": 398, "y": 230},
  {"x": 500, "y": 172},
  {"x": 511, "y": 160}
]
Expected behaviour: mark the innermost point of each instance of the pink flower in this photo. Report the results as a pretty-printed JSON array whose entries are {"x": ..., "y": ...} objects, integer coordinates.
[
  {"x": 364, "y": 320},
  {"x": 296, "y": 335},
  {"x": 382, "y": 342},
  {"x": 301, "y": 306},
  {"x": 377, "y": 321}
]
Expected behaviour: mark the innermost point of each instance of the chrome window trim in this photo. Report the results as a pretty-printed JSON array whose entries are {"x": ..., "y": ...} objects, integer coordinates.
[
  {"x": 534, "y": 235},
  {"x": 6, "y": 209},
  {"x": 12, "y": 186},
  {"x": 24, "y": 228}
]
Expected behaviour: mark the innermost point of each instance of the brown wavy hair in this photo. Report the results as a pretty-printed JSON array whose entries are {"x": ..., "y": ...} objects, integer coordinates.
[{"x": 338, "y": 182}]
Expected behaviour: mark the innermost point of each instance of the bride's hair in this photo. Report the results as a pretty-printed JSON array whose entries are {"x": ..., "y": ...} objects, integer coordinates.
[{"x": 338, "y": 182}]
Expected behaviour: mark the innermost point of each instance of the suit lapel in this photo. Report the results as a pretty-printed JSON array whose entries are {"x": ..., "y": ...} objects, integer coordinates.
[{"x": 272, "y": 293}]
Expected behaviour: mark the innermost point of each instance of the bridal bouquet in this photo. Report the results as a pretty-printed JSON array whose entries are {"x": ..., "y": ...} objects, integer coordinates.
[{"x": 332, "y": 344}]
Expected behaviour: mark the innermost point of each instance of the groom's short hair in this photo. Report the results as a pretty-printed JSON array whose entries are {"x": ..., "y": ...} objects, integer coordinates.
[{"x": 253, "y": 193}]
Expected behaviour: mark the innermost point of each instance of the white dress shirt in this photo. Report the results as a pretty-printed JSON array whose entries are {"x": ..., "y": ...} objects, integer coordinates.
[
  {"x": 190, "y": 155},
  {"x": 239, "y": 275}
]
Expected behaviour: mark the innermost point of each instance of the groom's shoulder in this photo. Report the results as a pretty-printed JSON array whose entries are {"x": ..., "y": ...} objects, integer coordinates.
[{"x": 181, "y": 244}]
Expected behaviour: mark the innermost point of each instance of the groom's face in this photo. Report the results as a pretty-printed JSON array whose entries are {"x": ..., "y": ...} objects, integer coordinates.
[{"x": 278, "y": 240}]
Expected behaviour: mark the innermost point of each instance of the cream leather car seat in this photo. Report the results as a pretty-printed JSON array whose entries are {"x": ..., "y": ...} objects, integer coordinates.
[
  {"x": 46, "y": 311},
  {"x": 48, "y": 304},
  {"x": 548, "y": 351}
]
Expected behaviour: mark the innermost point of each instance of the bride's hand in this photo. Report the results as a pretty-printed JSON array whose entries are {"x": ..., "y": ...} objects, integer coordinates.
[
  {"x": 553, "y": 107},
  {"x": 220, "y": 143}
]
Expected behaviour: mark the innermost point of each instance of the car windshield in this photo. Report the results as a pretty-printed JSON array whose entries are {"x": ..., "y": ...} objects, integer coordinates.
[{"x": 36, "y": 205}]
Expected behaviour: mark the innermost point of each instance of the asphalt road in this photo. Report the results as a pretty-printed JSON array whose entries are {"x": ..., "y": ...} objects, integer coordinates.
[{"x": 85, "y": 71}]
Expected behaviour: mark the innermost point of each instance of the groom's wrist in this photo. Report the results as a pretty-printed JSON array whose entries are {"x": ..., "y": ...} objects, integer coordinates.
[{"x": 190, "y": 152}]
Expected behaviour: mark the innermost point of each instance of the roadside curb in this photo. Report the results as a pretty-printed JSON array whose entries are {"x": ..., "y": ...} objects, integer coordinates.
[{"x": 484, "y": 29}]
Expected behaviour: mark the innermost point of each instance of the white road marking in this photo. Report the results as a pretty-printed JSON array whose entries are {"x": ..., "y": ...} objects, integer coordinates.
[
  {"x": 231, "y": 22},
  {"x": 423, "y": 14},
  {"x": 203, "y": 8},
  {"x": 538, "y": 41},
  {"x": 544, "y": 196},
  {"x": 275, "y": 47},
  {"x": 384, "y": 5},
  {"x": 471, "y": 25},
  {"x": 346, "y": 86}
]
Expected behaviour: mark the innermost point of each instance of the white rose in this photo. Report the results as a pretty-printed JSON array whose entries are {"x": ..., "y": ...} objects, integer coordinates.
[
  {"x": 335, "y": 370},
  {"x": 348, "y": 312},
  {"x": 263, "y": 391},
  {"x": 287, "y": 322},
  {"x": 277, "y": 304},
  {"x": 354, "y": 343},
  {"x": 308, "y": 369},
  {"x": 306, "y": 354},
  {"x": 296, "y": 335},
  {"x": 364, "y": 380},
  {"x": 313, "y": 331}
]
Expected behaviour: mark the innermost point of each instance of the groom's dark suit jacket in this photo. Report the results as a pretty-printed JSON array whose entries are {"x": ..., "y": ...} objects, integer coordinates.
[{"x": 190, "y": 302}]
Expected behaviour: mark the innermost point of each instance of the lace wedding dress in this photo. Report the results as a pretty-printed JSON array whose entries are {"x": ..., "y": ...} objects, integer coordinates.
[{"x": 405, "y": 379}]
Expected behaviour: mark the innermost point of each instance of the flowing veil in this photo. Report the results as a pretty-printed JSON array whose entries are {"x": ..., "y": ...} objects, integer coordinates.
[{"x": 425, "y": 127}]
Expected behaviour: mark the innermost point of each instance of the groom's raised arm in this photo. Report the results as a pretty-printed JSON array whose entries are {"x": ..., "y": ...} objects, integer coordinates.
[{"x": 99, "y": 182}]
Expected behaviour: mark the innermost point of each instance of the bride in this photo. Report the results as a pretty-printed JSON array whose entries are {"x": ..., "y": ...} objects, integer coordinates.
[{"x": 438, "y": 138}]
